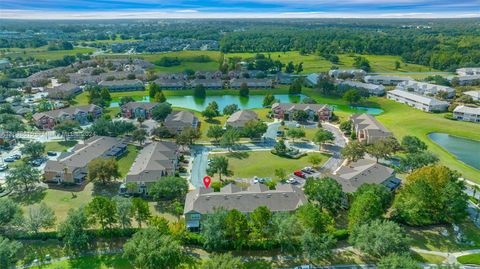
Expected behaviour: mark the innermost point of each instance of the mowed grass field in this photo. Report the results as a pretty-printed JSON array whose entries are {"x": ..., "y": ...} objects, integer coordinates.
[
  {"x": 42, "y": 53},
  {"x": 470, "y": 259},
  {"x": 88, "y": 262}
]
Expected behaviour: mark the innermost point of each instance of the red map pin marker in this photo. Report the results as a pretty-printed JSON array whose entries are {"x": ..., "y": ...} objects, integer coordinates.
[{"x": 206, "y": 181}]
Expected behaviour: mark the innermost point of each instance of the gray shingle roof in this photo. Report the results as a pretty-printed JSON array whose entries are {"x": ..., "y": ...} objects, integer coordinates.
[
  {"x": 239, "y": 118},
  {"x": 144, "y": 105},
  {"x": 69, "y": 111}
]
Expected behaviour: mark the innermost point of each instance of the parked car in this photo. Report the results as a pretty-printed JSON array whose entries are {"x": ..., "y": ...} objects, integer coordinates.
[
  {"x": 299, "y": 173},
  {"x": 310, "y": 170},
  {"x": 279, "y": 133},
  {"x": 306, "y": 171},
  {"x": 292, "y": 181},
  {"x": 9, "y": 159},
  {"x": 3, "y": 167},
  {"x": 37, "y": 162},
  {"x": 17, "y": 156},
  {"x": 51, "y": 153}
]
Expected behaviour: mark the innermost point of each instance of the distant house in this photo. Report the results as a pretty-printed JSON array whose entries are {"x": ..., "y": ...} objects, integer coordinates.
[
  {"x": 474, "y": 94},
  {"x": 260, "y": 83},
  {"x": 368, "y": 129},
  {"x": 240, "y": 118},
  {"x": 372, "y": 89},
  {"x": 71, "y": 167},
  {"x": 4, "y": 64},
  {"x": 171, "y": 84},
  {"x": 122, "y": 85},
  {"x": 284, "y": 78},
  {"x": 208, "y": 83},
  {"x": 134, "y": 110},
  {"x": 316, "y": 112},
  {"x": 63, "y": 91},
  {"x": 336, "y": 73},
  {"x": 353, "y": 175},
  {"x": 424, "y": 88},
  {"x": 83, "y": 114},
  {"x": 471, "y": 71},
  {"x": 386, "y": 80},
  {"x": 176, "y": 121},
  {"x": 312, "y": 79},
  {"x": 418, "y": 101},
  {"x": 155, "y": 160},
  {"x": 468, "y": 80},
  {"x": 201, "y": 202},
  {"x": 467, "y": 113}
]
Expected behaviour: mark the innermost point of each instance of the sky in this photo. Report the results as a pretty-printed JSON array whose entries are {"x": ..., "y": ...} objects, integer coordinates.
[{"x": 109, "y": 9}]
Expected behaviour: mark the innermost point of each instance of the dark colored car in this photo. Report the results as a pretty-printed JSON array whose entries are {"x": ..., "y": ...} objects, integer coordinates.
[
  {"x": 17, "y": 156},
  {"x": 9, "y": 160},
  {"x": 51, "y": 153}
]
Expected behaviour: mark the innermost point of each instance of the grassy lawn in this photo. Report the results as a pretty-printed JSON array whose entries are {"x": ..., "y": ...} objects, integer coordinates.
[
  {"x": 403, "y": 120},
  {"x": 428, "y": 258},
  {"x": 60, "y": 146},
  {"x": 42, "y": 53},
  {"x": 254, "y": 163},
  {"x": 469, "y": 259},
  {"x": 97, "y": 262},
  {"x": 126, "y": 161}
]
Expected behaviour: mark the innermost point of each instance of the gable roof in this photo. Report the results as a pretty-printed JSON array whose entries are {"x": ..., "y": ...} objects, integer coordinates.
[
  {"x": 143, "y": 105},
  {"x": 292, "y": 106},
  {"x": 241, "y": 117},
  {"x": 370, "y": 124},
  {"x": 65, "y": 111},
  {"x": 418, "y": 98},
  {"x": 180, "y": 116}
]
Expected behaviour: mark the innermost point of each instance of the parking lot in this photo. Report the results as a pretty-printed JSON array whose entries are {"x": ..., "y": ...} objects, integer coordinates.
[{"x": 298, "y": 180}]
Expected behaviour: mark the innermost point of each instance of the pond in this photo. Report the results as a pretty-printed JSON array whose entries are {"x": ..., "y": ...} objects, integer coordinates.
[
  {"x": 251, "y": 102},
  {"x": 465, "y": 150}
]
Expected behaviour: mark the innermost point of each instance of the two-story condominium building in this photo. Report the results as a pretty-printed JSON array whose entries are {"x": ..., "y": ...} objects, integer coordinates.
[
  {"x": 474, "y": 94},
  {"x": 418, "y": 101},
  {"x": 468, "y": 80},
  {"x": 316, "y": 112},
  {"x": 240, "y": 118},
  {"x": 135, "y": 110},
  {"x": 171, "y": 84},
  {"x": 208, "y": 83},
  {"x": 259, "y": 83},
  {"x": 467, "y": 113},
  {"x": 71, "y": 167},
  {"x": 63, "y": 91},
  {"x": 336, "y": 73},
  {"x": 83, "y": 114},
  {"x": 373, "y": 89},
  {"x": 122, "y": 85},
  {"x": 424, "y": 88},
  {"x": 155, "y": 160},
  {"x": 368, "y": 129},
  {"x": 386, "y": 80},
  {"x": 176, "y": 121},
  {"x": 469, "y": 71},
  {"x": 201, "y": 201}
]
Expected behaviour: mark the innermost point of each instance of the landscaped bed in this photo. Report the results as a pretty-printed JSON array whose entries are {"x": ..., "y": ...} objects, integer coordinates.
[{"x": 470, "y": 259}]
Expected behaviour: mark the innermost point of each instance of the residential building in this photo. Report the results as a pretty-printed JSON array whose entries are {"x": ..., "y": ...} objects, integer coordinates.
[
  {"x": 386, "y": 80},
  {"x": 425, "y": 88},
  {"x": 176, "y": 121},
  {"x": 4, "y": 64},
  {"x": 63, "y": 91},
  {"x": 171, "y": 84},
  {"x": 123, "y": 85},
  {"x": 372, "y": 89},
  {"x": 474, "y": 94},
  {"x": 368, "y": 129},
  {"x": 71, "y": 167},
  {"x": 418, "y": 101},
  {"x": 208, "y": 83},
  {"x": 135, "y": 110},
  {"x": 312, "y": 79},
  {"x": 470, "y": 71},
  {"x": 285, "y": 78},
  {"x": 337, "y": 73},
  {"x": 467, "y": 80},
  {"x": 155, "y": 160},
  {"x": 467, "y": 113},
  {"x": 354, "y": 174},
  {"x": 83, "y": 114},
  {"x": 260, "y": 83},
  {"x": 240, "y": 118},
  {"x": 202, "y": 201},
  {"x": 316, "y": 112}
]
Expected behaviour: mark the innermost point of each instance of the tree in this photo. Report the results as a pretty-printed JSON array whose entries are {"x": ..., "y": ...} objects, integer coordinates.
[
  {"x": 160, "y": 112},
  {"x": 159, "y": 97},
  {"x": 244, "y": 91},
  {"x": 103, "y": 170},
  {"x": 188, "y": 136},
  {"x": 153, "y": 89},
  {"x": 431, "y": 195},
  {"x": 295, "y": 87},
  {"x": 105, "y": 94},
  {"x": 364, "y": 208},
  {"x": 413, "y": 161},
  {"x": 74, "y": 229},
  {"x": 230, "y": 138},
  {"x": 314, "y": 219},
  {"x": 215, "y": 132},
  {"x": 383, "y": 148},
  {"x": 237, "y": 228},
  {"x": 412, "y": 144},
  {"x": 397, "y": 65},
  {"x": 352, "y": 96},
  {"x": 218, "y": 165},
  {"x": 398, "y": 261},
  {"x": 299, "y": 68},
  {"x": 33, "y": 149},
  {"x": 325, "y": 85},
  {"x": 66, "y": 128},
  {"x": 314, "y": 159},
  {"x": 254, "y": 129},
  {"x": 353, "y": 151},
  {"x": 102, "y": 210},
  {"x": 317, "y": 246},
  {"x": 10, "y": 213},
  {"x": 125, "y": 99},
  {"x": 23, "y": 177},
  {"x": 209, "y": 114},
  {"x": 380, "y": 238},
  {"x": 295, "y": 133},
  {"x": 280, "y": 173},
  {"x": 141, "y": 211},
  {"x": 139, "y": 135},
  {"x": 150, "y": 249},
  {"x": 214, "y": 231},
  {"x": 280, "y": 148},
  {"x": 379, "y": 190},
  {"x": 162, "y": 132},
  {"x": 346, "y": 127},
  {"x": 322, "y": 136},
  {"x": 169, "y": 188},
  {"x": 39, "y": 217},
  {"x": 225, "y": 260},
  {"x": 261, "y": 222},
  {"x": 300, "y": 115},
  {"x": 199, "y": 91},
  {"x": 287, "y": 232},
  {"x": 289, "y": 68},
  {"x": 268, "y": 100},
  {"x": 362, "y": 63},
  {"x": 230, "y": 109},
  {"x": 326, "y": 192},
  {"x": 124, "y": 210},
  {"x": 9, "y": 251}
]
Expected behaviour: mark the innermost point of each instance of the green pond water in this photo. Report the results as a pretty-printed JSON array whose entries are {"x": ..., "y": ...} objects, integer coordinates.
[
  {"x": 465, "y": 150},
  {"x": 251, "y": 102}
]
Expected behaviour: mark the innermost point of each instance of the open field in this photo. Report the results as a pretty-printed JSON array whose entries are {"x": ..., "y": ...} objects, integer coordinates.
[
  {"x": 254, "y": 163},
  {"x": 470, "y": 259},
  {"x": 97, "y": 262},
  {"x": 43, "y": 54},
  {"x": 126, "y": 161},
  {"x": 59, "y": 146}
]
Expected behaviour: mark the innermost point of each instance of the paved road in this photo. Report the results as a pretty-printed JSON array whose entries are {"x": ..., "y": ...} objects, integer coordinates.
[
  {"x": 199, "y": 166},
  {"x": 336, "y": 160}
]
